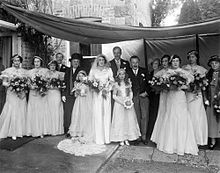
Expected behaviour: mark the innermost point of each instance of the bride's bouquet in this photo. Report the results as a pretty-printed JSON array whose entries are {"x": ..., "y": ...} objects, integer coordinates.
[
  {"x": 57, "y": 83},
  {"x": 99, "y": 86},
  {"x": 200, "y": 83},
  {"x": 19, "y": 85},
  {"x": 177, "y": 81},
  {"x": 159, "y": 83},
  {"x": 40, "y": 84}
]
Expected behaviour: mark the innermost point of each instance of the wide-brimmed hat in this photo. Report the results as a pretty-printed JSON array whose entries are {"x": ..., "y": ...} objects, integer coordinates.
[
  {"x": 76, "y": 56},
  {"x": 213, "y": 58}
]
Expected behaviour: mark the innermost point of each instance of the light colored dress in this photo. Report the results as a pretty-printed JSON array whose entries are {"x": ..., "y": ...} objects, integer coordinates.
[
  {"x": 102, "y": 106},
  {"x": 124, "y": 123},
  {"x": 82, "y": 124},
  {"x": 161, "y": 109},
  {"x": 197, "y": 109},
  {"x": 176, "y": 134},
  {"x": 55, "y": 106},
  {"x": 13, "y": 116},
  {"x": 37, "y": 113}
]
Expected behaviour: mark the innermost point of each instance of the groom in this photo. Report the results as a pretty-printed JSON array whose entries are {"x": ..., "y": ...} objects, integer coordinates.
[{"x": 67, "y": 96}]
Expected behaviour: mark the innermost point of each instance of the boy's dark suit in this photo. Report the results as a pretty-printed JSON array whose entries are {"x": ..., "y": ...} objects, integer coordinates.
[
  {"x": 123, "y": 64},
  {"x": 69, "y": 78},
  {"x": 141, "y": 104}
]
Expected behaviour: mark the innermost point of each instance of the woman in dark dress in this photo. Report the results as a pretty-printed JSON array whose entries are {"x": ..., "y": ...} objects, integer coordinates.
[
  {"x": 213, "y": 88},
  {"x": 154, "y": 100}
]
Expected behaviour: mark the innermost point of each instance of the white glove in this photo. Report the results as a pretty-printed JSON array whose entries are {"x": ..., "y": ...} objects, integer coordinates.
[
  {"x": 207, "y": 102},
  {"x": 64, "y": 99}
]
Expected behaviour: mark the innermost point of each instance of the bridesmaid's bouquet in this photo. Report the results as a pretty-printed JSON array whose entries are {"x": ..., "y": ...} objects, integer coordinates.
[
  {"x": 200, "y": 83},
  {"x": 176, "y": 81},
  {"x": 40, "y": 84},
  {"x": 159, "y": 83},
  {"x": 19, "y": 85},
  {"x": 57, "y": 83}
]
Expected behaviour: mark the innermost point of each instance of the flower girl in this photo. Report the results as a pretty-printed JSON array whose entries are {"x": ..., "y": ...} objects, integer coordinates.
[
  {"x": 124, "y": 123},
  {"x": 81, "y": 121}
]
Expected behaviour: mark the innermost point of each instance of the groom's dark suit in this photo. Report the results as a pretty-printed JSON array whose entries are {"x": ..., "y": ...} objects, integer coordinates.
[
  {"x": 123, "y": 64},
  {"x": 141, "y": 104}
]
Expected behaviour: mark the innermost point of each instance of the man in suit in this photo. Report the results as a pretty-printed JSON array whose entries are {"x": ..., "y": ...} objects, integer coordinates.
[
  {"x": 118, "y": 62},
  {"x": 140, "y": 87},
  {"x": 61, "y": 66},
  {"x": 2, "y": 88},
  {"x": 67, "y": 96}
]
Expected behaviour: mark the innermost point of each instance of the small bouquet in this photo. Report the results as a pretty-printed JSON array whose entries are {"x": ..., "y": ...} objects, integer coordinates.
[
  {"x": 128, "y": 103},
  {"x": 176, "y": 81},
  {"x": 40, "y": 84},
  {"x": 99, "y": 86},
  {"x": 19, "y": 85},
  {"x": 78, "y": 89},
  {"x": 200, "y": 83},
  {"x": 159, "y": 83},
  {"x": 57, "y": 83}
]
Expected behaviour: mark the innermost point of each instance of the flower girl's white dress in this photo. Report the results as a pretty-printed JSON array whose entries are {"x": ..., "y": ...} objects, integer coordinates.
[{"x": 124, "y": 123}]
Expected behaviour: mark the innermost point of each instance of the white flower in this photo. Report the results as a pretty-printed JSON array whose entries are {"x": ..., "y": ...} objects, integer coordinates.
[
  {"x": 128, "y": 103},
  {"x": 142, "y": 74}
]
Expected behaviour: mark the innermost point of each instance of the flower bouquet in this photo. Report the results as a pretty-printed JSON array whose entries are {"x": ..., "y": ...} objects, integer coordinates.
[
  {"x": 128, "y": 103},
  {"x": 200, "y": 83},
  {"x": 57, "y": 83},
  {"x": 99, "y": 86},
  {"x": 19, "y": 85},
  {"x": 176, "y": 81},
  {"x": 158, "y": 84},
  {"x": 40, "y": 84}
]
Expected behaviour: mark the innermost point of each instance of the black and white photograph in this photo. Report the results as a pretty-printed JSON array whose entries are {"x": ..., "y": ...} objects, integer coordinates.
[{"x": 109, "y": 86}]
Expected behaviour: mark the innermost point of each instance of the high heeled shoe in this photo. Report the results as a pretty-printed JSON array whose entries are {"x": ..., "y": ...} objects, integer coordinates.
[
  {"x": 127, "y": 143},
  {"x": 122, "y": 143}
]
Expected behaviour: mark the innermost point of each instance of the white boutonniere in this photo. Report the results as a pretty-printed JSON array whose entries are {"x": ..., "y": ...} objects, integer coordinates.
[
  {"x": 64, "y": 67},
  {"x": 124, "y": 68},
  {"x": 142, "y": 74},
  {"x": 124, "y": 63}
]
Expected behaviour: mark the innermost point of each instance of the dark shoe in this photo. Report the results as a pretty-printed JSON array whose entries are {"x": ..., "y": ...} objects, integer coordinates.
[
  {"x": 212, "y": 146},
  {"x": 145, "y": 142},
  {"x": 67, "y": 135}
]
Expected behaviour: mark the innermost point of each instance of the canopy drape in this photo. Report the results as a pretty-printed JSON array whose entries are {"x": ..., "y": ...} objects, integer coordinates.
[{"x": 99, "y": 33}]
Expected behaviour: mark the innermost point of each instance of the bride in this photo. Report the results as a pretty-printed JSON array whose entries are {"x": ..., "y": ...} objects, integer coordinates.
[{"x": 95, "y": 130}]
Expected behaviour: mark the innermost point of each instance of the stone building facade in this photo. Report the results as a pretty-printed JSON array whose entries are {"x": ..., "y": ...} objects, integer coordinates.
[{"x": 118, "y": 12}]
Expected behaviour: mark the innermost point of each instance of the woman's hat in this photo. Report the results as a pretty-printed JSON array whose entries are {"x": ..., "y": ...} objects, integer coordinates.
[
  {"x": 76, "y": 56},
  {"x": 53, "y": 62},
  {"x": 213, "y": 58},
  {"x": 82, "y": 72},
  {"x": 193, "y": 52}
]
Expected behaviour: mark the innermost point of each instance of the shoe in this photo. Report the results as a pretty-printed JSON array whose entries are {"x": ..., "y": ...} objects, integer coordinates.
[
  {"x": 122, "y": 143},
  {"x": 41, "y": 136},
  {"x": 67, "y": 135},
  {"x": 212, "y": 146},
  {"x": 14, "y": 137},
  {"x": 127, "y": 143},
  {"x": 145, "y": 142}
]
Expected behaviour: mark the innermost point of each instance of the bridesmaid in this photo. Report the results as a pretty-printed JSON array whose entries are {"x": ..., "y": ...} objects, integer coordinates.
[
  {"x": 37, "y": 113},
  {"x": 55, "y": 104},
  {"x": 154, "y": 100},
  {"x": 195, "y": 101},
  {"x": 213, "y": 77},
  {"x": 163, "y": 99},
  {"x": 13, "y": 116},
  {"x": 176, "y": 134}
]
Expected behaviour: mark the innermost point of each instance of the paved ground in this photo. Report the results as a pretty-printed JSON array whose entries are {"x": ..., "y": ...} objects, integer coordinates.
[{"x": 42, "y": 156}]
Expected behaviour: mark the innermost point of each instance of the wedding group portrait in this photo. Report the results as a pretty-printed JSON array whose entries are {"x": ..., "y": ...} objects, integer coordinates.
[{"x": 109, "y": 86}]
